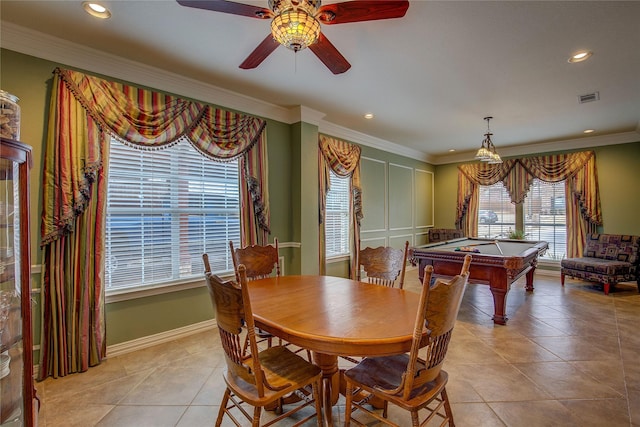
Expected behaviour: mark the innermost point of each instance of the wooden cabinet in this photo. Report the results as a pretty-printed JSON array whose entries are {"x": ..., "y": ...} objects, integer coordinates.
[{"x": 17, "y": 392}]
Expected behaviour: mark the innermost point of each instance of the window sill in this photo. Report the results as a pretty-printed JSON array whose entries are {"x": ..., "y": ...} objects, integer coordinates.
[
  {"x": 339, "y": 258},
  {"x": 118, "y": 295}
]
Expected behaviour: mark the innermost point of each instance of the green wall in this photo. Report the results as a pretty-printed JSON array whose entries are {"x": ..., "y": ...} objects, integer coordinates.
[
  {"x": 618, "y": 177},
  {"x": 408, "y": 202}
]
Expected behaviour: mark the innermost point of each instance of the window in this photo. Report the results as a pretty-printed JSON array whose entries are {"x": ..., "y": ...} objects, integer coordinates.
[
  {"x": 545, "y": 217},
  {"x": 165, "y": 208},
  {"x": 336, "y": 222},
  {"x": 496, "y": 213}
]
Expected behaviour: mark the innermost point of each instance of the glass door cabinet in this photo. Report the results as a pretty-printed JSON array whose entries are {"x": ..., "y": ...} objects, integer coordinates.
[{"x": 18, "y": 404}]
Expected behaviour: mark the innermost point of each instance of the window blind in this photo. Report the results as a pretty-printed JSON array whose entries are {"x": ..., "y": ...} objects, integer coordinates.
[
  {"x": 165, "y": 208},
  {"x": 336, "y": 221},
  {"x": 496, "y": 213},
  {"x": 545, "y": 217}
]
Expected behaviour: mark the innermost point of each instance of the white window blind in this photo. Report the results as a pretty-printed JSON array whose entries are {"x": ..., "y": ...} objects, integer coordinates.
[
  {"x": 336, "y": 222},
  {"x": 545, "y": 217},
  {"x": 165, "y": 208},
  {"x": 496, "y": 213}
]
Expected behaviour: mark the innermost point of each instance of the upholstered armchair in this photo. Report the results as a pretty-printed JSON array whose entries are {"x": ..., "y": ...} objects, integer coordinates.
[{"x": 607, "y": 258}]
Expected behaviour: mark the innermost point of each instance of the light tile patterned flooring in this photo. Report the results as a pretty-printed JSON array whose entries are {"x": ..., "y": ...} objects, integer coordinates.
[{"x": 568, "y": 357}]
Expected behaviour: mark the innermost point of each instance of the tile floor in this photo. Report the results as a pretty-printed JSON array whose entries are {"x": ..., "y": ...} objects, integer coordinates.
[{"x": 568, "y": 357}]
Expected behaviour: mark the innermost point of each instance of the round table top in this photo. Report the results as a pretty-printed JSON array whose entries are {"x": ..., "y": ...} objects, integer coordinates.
[{"x": 333, "y": 315}]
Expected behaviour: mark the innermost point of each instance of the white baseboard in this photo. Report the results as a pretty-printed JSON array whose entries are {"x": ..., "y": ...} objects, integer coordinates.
[{"x": 151, "y": 340}]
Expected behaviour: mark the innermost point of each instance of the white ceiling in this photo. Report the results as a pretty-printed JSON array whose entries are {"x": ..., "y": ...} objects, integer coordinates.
[{"x": 429, "y": 77}]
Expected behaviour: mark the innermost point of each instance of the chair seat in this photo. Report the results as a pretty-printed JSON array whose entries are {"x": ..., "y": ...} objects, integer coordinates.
[
  {"x": 598, "y": 266},
  {"x": 375, "y": 373},
  {"x": 284, "y": 370}
]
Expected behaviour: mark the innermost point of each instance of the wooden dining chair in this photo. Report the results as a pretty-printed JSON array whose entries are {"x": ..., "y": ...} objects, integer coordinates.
[
  {"x": 260, "y": 262},
  {"x": 383, "y": 265},
  {"x": 407, "y": 380},
  {"x": 257, "y": 378}
]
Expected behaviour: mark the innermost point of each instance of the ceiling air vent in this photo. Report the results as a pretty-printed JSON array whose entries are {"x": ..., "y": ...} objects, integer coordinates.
[{"x": 589, "y": 97}]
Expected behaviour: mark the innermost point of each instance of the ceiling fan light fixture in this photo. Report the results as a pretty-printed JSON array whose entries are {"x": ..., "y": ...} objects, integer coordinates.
[
  {"x": 309, "y": 6},
  {"x": 295, "y": 29}
]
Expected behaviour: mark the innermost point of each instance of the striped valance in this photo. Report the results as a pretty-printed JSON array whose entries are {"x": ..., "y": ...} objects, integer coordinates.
[
  {"x": 518, "y": 174},
  {"x": 154, "y": 119}
]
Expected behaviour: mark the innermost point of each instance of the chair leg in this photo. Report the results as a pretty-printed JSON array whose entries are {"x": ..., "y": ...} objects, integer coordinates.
[
  {"x": 562, "y": 279},
  {"x": 347, "y": 410},
  {"x": 447, "y": 407},
  {"x": 317, "y": 396},
  {"x": 223, "y": 407},
  {"x": 415, "y": 420},
  {"x": 257, "y": 411}
]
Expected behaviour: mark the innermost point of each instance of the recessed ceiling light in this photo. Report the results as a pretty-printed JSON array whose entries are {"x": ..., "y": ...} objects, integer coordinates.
[
  {"x": 580, "y": 56},
  {"x": 588, "y": 131},
  {"x": 451, "y": 150},
  {"x": 368, "y": 116},
  {"x": 96, "y": 9}
]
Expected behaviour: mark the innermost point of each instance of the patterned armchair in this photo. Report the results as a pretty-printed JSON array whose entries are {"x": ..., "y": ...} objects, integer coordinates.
[{"x": 607, "y": 258}]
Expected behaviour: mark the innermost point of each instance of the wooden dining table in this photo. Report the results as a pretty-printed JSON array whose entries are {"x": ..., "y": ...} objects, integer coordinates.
[{"x": 333, "y": 316}]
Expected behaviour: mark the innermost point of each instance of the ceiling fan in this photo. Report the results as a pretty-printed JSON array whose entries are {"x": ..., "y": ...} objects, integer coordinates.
[{"x": 296, "y": 24}]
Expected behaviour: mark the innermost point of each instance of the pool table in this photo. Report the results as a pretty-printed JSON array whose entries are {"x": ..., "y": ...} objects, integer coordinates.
[{"x": 497, "y": 263}]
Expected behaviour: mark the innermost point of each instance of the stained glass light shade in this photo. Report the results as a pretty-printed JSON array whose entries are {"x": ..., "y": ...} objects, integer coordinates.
[{"x": 295, "y": 29}]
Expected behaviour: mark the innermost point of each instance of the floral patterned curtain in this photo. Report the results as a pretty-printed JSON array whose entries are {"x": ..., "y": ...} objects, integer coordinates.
[
  {"x": 578, "y": 170},
  {"x": 85, "y": 112},
  {"x": 343, "y": 158}
]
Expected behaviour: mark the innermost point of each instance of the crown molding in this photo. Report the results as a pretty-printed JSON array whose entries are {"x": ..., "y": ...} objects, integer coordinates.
[
  {"x": 373, "y": 142},
  {"x": 300, "y": 113},
  {"x": 544, "y": 147}
]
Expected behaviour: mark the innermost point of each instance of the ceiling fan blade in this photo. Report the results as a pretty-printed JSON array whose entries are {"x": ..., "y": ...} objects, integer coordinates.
[
  {"x": 228, "y": 7},
  {"x": 259, "y": 54},
  {"x": 356, "y": 11},
  {"x": 329, "y": 55}
]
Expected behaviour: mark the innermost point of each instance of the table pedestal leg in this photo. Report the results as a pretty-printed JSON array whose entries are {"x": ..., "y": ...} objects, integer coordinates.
[{"x": 330, "y": 383}]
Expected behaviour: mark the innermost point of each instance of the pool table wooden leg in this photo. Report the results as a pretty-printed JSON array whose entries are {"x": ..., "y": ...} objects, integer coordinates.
[
  {"x": 529, "y": 285},
  {"x": 499, "y": 304}
]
